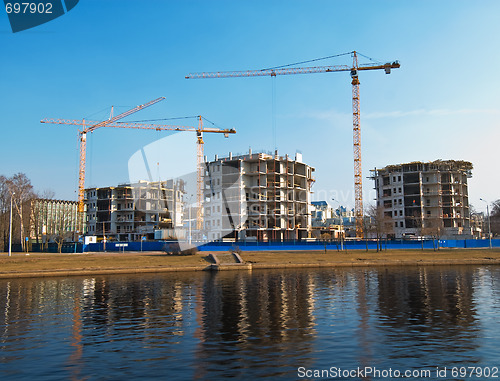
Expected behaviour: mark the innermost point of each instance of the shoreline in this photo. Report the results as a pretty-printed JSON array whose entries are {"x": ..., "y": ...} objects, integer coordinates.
[{"x": 45, "y": 265}]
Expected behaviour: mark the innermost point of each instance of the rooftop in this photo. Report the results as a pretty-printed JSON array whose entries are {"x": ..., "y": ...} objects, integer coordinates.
[{"x": 436, "y": 165}]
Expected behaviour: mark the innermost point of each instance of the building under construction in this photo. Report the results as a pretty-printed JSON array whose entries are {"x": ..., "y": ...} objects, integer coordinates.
[
  {"x": 130, "y": 212},
  {"x": 257, "y": 196},
  {"x": 425, "y": 199}
]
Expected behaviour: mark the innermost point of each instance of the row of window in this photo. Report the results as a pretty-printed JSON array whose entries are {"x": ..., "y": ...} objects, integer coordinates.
[
  {"x": 126, "y": 228},
  {"x": 216, "y": 196},
  {"x": 212, "y": 209},
  {"x": 213, "y": 223},
  {"x": 397, "y": 213},
  {"x": 394, "y": 179}
]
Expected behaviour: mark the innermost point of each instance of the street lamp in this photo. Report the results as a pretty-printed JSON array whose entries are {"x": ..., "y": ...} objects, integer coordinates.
[
  {"x": 10, "y": 224},
  {"x": 489, "y": 224},
  {"x": 341, "y": 226}
]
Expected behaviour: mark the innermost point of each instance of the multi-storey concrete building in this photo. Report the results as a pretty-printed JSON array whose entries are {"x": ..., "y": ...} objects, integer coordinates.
[
  {"x": 129, "y": 212},
  {"x": 425, "y": 198},
  {"x": 257, "y": 196}
]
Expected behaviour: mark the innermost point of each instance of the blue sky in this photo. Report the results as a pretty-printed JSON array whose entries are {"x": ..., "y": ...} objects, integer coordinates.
[{"x": 443, "y": 103}]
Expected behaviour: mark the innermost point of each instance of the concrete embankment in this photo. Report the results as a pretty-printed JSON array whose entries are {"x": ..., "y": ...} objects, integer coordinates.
[{"x": 92, "y": 264}]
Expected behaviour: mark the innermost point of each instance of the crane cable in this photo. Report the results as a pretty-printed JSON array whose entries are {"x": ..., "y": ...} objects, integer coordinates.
[{"x": 321, "y": 59}]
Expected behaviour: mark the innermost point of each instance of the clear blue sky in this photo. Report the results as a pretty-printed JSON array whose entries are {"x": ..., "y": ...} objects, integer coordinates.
[{"x": 443, "y": 103}]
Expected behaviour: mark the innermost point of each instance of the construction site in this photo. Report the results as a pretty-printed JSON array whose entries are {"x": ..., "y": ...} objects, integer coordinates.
[
  {"x": 265, "y": 196},
  {"x": 256, "y": 196}
]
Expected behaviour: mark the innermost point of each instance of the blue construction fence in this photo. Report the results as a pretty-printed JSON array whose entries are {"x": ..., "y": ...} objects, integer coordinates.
[
  {"x": 170, "y": 246},
  {"x": 290, "y": 245}
]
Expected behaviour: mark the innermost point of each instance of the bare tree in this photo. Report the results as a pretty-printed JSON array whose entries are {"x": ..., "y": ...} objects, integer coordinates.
[
  {"x": 39, "y": 213},
  {"x": 379, "y": 223},
  {"x": 20, "y": 188},
  {"x": 62, "y": 228},
  {"x": 433, "y": 227},
  {"x": 326, "y": 238},
  {"x": 495, "y": 218},
  {"x": 4, "y": 212}
]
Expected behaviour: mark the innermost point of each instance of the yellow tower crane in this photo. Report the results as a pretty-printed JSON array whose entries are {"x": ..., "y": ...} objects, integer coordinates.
[
  {"x": 354, "y": 69},
  {"x": 93, "y": 125}
]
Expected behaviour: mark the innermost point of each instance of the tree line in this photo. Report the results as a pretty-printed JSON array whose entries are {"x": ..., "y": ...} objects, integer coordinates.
[
  {"x": 19, "y": 189},
  {"x": 379, "y": 223},
  {"x": 18, "y": 192}
]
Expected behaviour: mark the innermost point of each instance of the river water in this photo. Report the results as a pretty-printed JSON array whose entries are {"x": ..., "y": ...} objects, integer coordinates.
[{"x": 274, "y": 324}]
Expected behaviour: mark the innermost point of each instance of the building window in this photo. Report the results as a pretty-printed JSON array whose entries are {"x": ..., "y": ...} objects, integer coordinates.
[
  {"x": 399, "y": 178},
  {"x": 395, "y": 224},
  {"x": 401, "y": 224},
  {"x": 400, "y": 212}
]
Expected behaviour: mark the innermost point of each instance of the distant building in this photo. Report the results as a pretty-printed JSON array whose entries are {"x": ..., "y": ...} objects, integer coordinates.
[
  {"x": 477, "y": 222},
  {"x": 320, "y": 213},
  {"x": 257, "y": 196},
  {"x": 53, "y": 219},
  {"x": 425, "y": 198},
  {"x": 129, "y": 212},
  {"x": 325, "y": 220}
]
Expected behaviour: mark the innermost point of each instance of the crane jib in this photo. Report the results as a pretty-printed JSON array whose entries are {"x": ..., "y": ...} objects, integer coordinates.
[{"x": 291, "y": 70}]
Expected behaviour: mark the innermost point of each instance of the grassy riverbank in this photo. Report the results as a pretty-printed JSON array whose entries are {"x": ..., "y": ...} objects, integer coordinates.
[{"x": 33, "y": 265}]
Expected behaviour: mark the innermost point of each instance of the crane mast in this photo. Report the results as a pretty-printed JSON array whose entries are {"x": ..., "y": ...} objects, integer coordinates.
[
  {"x": 356, "y": 139},
  {"x": 199, "y": 174},
  {"x": 354, "y": 70}
]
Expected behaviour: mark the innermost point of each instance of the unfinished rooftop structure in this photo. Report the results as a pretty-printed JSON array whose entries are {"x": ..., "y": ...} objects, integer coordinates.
[
  {"x": 129, "y": 212},
  {"x": 425, "y": 199},
  {"x": 257, "y": 196}
]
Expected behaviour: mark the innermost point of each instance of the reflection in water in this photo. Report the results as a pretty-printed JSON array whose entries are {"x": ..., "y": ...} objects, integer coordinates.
[
  {"x": 76, "y": 340},
  {"x": 434, "y": 309},
  {"x": 248, "y": 324},
  {"x": 253, "y": 316}
]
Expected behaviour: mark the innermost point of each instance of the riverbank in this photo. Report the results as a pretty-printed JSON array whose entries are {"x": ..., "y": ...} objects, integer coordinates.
[{"x": 48, "y": 265}]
